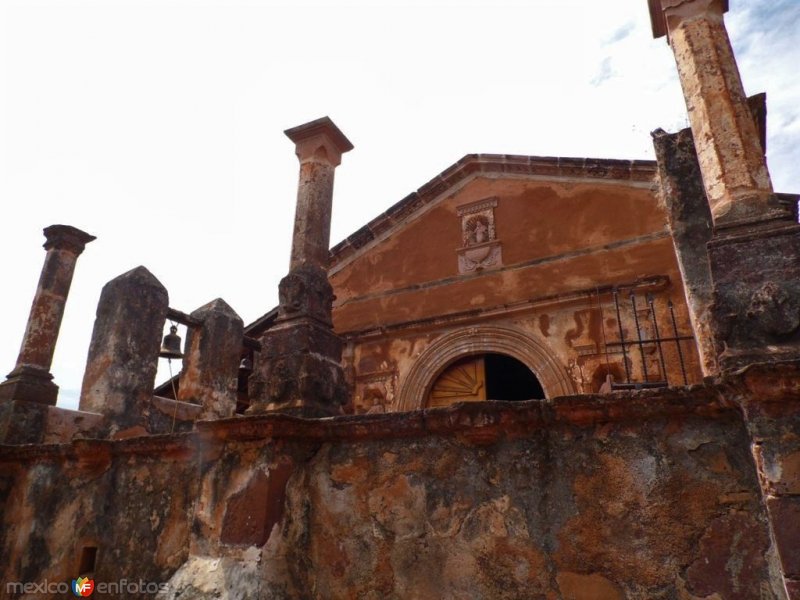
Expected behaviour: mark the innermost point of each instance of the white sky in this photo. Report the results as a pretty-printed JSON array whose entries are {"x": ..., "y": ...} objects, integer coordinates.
[{"x": 157, "y": 125}]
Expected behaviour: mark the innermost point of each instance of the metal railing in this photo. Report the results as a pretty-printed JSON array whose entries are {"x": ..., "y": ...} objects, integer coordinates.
[{"x": 645, "y": 343}]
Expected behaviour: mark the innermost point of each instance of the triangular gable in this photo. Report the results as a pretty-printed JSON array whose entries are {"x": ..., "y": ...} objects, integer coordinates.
[
  {"x": 459, "y": 174},
  {"x": 472, "y": 165}
]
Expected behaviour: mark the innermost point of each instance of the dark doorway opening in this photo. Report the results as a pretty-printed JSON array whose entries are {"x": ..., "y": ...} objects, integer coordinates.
[
  {"x": 509, "y": 379},
  {"x": 88, "y": 560}
]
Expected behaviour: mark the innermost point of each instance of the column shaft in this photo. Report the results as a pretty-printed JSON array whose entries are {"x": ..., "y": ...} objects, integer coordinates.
[
  {"x": 312, "y": 222},
  {"x": 47, "y": 310},
  {"x": 729, "y": 150},
  {"x": 31, "y": 379},
  {"x": 299, "y": 369}
]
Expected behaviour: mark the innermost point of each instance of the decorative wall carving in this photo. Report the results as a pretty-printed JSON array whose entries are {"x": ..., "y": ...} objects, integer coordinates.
[
  {"x": 374, "y": 391},
  {"x": 480, "y": 247}
]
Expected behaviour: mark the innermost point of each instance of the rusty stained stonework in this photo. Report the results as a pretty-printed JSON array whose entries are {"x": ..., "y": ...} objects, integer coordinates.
[
  {"x": 768, "y": 397},
  {"x": 690, "y": 492},
  {"x": 31, "y": 381},
  {"x": 756, "y": 309},
  {"x": 730, "y": 154},
  {"x": 753, "y": 252},
  {"x": 123, "y": 353},
  {"x": 299, "y": 369},
  {"x": 211, "y": 363},
  {"x": 638, "y": 495},
  {"x": 691, "y": 228}
]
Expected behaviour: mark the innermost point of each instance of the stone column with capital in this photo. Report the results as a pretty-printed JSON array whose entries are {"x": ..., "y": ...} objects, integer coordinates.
[
  {"x": 319, "y": 146},
  {"x": 754, "y": 249},
  {"x": 728, "y": 144},
  {"x": 299, "y": 369},
  {"x": 31, "y": 380}
]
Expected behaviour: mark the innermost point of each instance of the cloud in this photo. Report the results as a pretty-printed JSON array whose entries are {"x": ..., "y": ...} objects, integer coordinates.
[
  {"x": 763, "y": 34},
  {"x": 621, "y": 33},
  {"x": 604, "y": 73}
]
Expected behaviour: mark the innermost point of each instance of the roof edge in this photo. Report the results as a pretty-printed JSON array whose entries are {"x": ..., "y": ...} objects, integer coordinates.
[{"x": 594, "y": 168}]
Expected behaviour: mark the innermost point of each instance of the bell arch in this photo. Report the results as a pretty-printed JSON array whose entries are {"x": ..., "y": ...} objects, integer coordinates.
[{"x": 482, "y": 339}]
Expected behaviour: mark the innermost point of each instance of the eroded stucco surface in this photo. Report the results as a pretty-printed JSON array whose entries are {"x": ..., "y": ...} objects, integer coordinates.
[{"x": 648, "y": 495}]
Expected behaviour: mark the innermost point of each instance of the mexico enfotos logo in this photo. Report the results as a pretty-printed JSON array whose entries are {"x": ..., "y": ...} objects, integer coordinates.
[{"x": 83, "y": 587}]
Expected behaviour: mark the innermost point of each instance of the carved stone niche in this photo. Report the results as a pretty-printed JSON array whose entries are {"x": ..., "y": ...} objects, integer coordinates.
[
  {"x": 375, "y": 392},
  {"x": 480, "y": 247}
]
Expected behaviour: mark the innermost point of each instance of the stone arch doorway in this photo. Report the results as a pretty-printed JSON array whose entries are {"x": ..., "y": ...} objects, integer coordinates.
[
  {"x": 481, "y": 340},
  {"x": 484, "y": 377}
]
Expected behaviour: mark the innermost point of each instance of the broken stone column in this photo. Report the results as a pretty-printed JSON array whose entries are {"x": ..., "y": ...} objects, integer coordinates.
[
  {"x": 123, "y": 354},
  {"x": 31, "y": 380},
  {"x": 690, "y": 225},
  {"x": 730, "y": 154},
  {"x": 299, "y": 368},
  {"x": 211, "y": 363},
  {"x": 754, "y": 252}
]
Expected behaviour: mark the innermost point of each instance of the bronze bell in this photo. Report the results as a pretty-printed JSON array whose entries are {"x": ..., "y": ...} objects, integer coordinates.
[{"x": 171, "y": 346}]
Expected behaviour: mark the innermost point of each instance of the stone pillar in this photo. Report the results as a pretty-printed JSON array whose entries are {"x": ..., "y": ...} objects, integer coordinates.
[
  {"x": 211, "y": 365},
  {"x": 123, "y": 354},
  {"x": 754, "y": 252},
  {"x": 690, "y": 225},
  {"x": 319, "y": 146},
  {"x": 728, "y": 146},
  {"x": 31, "y": 380},
  {"x": 299, "y": 368},
  {"x": 756, "y": 309}
]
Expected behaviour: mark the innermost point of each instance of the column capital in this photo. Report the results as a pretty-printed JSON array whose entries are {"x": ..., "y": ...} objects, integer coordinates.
[
  {"x": 666, "y": 14},
  {"x": 319, "y": 140},
  {"x": 66, "y": 237}
]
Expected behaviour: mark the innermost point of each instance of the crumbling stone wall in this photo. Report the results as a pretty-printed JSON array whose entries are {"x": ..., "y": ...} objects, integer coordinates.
[
  {"x": 131, "y": 500},
  {"x": 636, "y": 495},
  {"x": 567, "y": 509}
]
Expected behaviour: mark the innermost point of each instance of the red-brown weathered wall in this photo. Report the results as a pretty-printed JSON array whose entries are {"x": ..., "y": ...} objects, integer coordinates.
[
  {"x": 642, "y": 495},
  {"x": 132, "y": 500},
  {"x": 575, "y": 230},
  {"x": 565, "y": 241}
]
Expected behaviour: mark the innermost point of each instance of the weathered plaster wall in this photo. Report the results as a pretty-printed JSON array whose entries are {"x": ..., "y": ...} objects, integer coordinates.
[
  {"x": 569, "y": 232},
  {"x": 770, "y": 398},
  {"x": 563, "y": 512},
  {"x": 641, "y": 496},
  {"x": 638, "y": 495},
  {"x": 574, "y": 333},
  {"x": 132, "y": 500},
  {"x": 561, "y": 239}
]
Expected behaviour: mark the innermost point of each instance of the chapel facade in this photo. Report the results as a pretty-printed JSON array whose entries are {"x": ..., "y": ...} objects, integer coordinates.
[{"x": 534, "y": 377}]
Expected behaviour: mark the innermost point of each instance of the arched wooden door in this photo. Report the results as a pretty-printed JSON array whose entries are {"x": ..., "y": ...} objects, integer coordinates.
[
  {"x": 463, "y": 381},
  {"x": 488, "y": 376}
]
